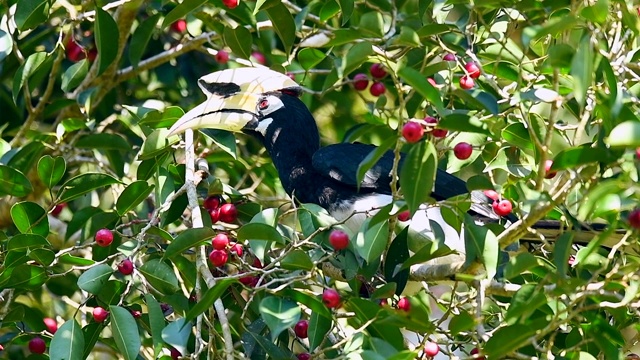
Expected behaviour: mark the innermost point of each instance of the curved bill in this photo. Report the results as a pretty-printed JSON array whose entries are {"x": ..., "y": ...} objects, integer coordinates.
[{"x": 247, "y": 80}]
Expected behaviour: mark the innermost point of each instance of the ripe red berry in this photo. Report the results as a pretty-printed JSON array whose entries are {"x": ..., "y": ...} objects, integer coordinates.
[
  {"x": 492, "y": 194},
  {"x": 179, "y": 26},
  {"x": 249, "y": 280},
  {"x": 466, "y": 82},
  {"x": 634, "y": 219},
  {"x": 257, "y": 263},
  {"x": 431, "y": 349},
  {"x": 220, "y": 241},
  {"x": 304, "y": 356},
  {"x": 449, "y": 57},
  {"x": 404, "y": 216},
  {"x": 476, "y": 352},
  {"x": 412, "y": 132},
  {"x": 547, "y": 166},
  {"x": 51, "y": 324},
  {"x": 125, "y": 267},
  {"x": 37, "y": 345},
  {"x": 222, "y": 57},
  {"x": 104, "y": 237},
  {"x": 74, "y": 51},
  {"x": 437, "y": 133},
  {"x": 92, "y": 54},
  {"x": 502, "y": 207},
  {"x": 472, "y": 69},
  {"x": 175, "y": 354},
  {"x": 228, "y": 213},
  {"x": 215, "y": 215},
  {"x": 58, "y": 209},
  {"x": 99, "y": 314},
  {"x": 135, "y": 313},
  {"x": 404, "y": 304},
  {"x": 218, "y": 257},
  {"x": 331, "y": 298},
  {"x": 339, "y": 239},
  {"x": 377, "y": 71},
  {"x": 301, "y": 329},
  {"x": 462, "y": 150},
  {"x": 231, "y": 4},
  {"x": 236, "y": 249},
  {"x": 258, "y": 56},
  {"x": 377, "y": 89},
  {"x": 212, "y": 202},
  {"x": 360, "y": 82}
]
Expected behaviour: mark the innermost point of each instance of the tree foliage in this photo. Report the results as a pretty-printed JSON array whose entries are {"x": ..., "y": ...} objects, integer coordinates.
[{"x": 88, "y": 90}]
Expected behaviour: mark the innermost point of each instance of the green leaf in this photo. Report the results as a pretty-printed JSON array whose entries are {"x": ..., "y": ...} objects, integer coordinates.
[
  {"x": 420, "y": 84},
  {"x": 310, "y": 301},
  {"x": 371, "y": 240},
  {"x": 507, "y": 339},
  {"x": 75, "y": 260},
  {"x": 225, "y": 140},
  {"x": 371, "y": 24},
  {"x": 140, "y": 38},
  {"x": 597, "y": 12},
  {"x": 125, "y": 332},
  {"x": 418, "y": 173},
  {"x": 562, "y": 251},
  {"x": 27, "y": 242},
  {"x": 209, "y": 297},
  {"x": 31, "y": 65},
  {"x": 6, "y": 45},
  {"x": 516, "y": 134},
  {"x": 160, "y": 276},
  {"x": 106, "y": 36},
  {"x": 188, "y": 239},
  {"x": 156, "y": 143},
  {"x": 279, "y": 314},
  {"x": 83, "y": 184},
  {"x": 478, "y": 99},
  {"x": 397, "y": 254},
  {"x": 258, "y": 231},
  {"x": 132, "y": 196},
  {"x": 297, "y": 260},
  {"x": 103, "y": 141},
  {"x": 461, "y": 322},
  {"x": 13, "y": 182},
  {"x": 42, "y": 256},
  {"x": 91, "y": 333},
  {"x": 94, "y": 278},
  {"x": 156, "y": 322},
  {"x": 573, "y": 157},
  {"x": 626, "y": 134},
  {"x": 31, "y": 13},
  {"x": 68, "y": 342},
  {"x": 51, "y": 170},
  {"x": 346, "y": 9},
  {"x": 582, "y": 70},
  {"x": 176, "y": 334},
  {"x": 552, "y": 27},
  {"x": 74, "y": 75},
  {"x": 482, "y": 244},
  {"x": 162, "y": 118},
  {"x": 236, "y": 39},
  {"x": 309, "y": 58},
  {"x": 525, "y": 301},
  {"x": 319, "y": 326},
  {"x": 181, "y": 11},
  {"x": 520, "y": 264},
  {"x": 265, "y": 345},
  {"x": 465, "y": 123},
  {"x": 30, "y": 218},
  {"x": 372, "y": 158},
  {"x": 283, "y": 24},
  {"x": 356, "y": 56},
  {"x": 27, "y": 277}
]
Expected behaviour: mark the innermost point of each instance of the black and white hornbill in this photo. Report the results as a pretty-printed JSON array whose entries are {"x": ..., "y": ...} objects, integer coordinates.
[{"x": 265, "y": 103}]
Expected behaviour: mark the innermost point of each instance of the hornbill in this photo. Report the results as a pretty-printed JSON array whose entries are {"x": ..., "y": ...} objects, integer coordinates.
[{"x": 266, "y": 104}]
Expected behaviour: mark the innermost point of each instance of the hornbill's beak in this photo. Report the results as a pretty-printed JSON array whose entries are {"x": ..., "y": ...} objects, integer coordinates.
[{"x": 232, "y": 98}]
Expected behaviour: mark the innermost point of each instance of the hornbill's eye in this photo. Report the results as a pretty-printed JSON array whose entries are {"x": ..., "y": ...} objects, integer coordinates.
[{"x": 263, "y": 104}]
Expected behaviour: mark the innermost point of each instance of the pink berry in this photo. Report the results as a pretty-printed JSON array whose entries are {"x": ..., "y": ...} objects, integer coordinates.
[
  {"x": 222, "y": 57},
  {"x": 220, "y": 241},
  {"x": 547, "y": 166},
  {"x": 104, "y": 237},
  {"x": 377, "y": 89},
  {"x": 437, "y": 133},
  {"x": 331, "y": 298},
  {"x": 339, "y": 239},
  {"x": 304, "y": 356},
  {"x": 462, "y": 150},
  {"x": 431, "y": 349},
  {"x": 476, "y": 352},
  {"x": 256, "y": 54},
  {"x": 37, "y": 345},
  {"x": 634, "y": 219},
  {"x": 412, "y": 132},
  {"x": 231, "y": 4},
  {"x": 360, "y": 82},
  {"x": 432, "y": 82},
  {"x": 377, "y": 71},
  {"x": 301, "y": 329},
  {"x": 404, "y": 216},
  {"x": 99, "y": 314},
  {"x": 228, "y": 213},
  {"x": 51, "y": 324},
  {"x": 218, "y": 257},
  {"x": 449, "y": 57},
  {"x": 466, "y": 82},
  {"x": 125, "y": 267},
  {"x": 215, "y": 215},
  {"x": 236, "y": 249},
  {"x": 136, "y": 313},
  {"x": 179, "y": 26},
  {"x": 502, "y": 207},
  {"x": 404, "y": 304},
  {"x": 638, "y": 153},
  {"x": 492, "y": 194},
  {"x": 472, "y": 69}
]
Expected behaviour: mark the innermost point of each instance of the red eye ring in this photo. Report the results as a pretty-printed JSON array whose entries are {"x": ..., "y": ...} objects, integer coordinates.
[{"x": 264, "y": 103}]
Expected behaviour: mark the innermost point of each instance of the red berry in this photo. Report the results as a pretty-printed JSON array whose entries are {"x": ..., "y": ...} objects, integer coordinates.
[
  {"x": 92, "y": 54},
  {"x": 472, "y": 69},
  {"x": 412, "y": 132},
  {"x": 462, "y": 150},
  {"x": 218, "y": 257},
  {"x": 437, "y": 133},
  {"x": 215, "y": 215},
  {"x": 377, "y": 71},
  {"x": 377, "y": 89},
  {"x": 383, "y": 302},
  {"x": 638, "y": 153},
  {"x": 257, "y": 263},
  {"x": 228, "y": 213},
  {"x": 99, "y": 314},
  {"x": 51, "y": 324},
  {"x": 256, "y": 54},
  {"x": 175, "y": 354},
  {"x": 476, "y": 352},
  {"x": 339, "y": 239},
  {"x": 212, "y": 202},
  {"x": 466, "y": 82},
  {"x": 404, "y": 216},
  {"x": 135, "y": 313},
  {"x": 231, "y": 4},
  {"x": 492, "y": 194},
  {"x": 104, "y": 237},
  {"x": 634, "y": 219},
  {"x": 179, "y": 26},
  {"x": 331, "y": 298},
  {"x": 220, "y": 241},
  {"x": 249, "y": 280},
  {"x": 432, "y": 82},
  {"x": 222, "y": 57},
  {"x": 58, "y": 209},
  {"x": 125, "y": 267},
  {"x": 360, "y": 82},
  {"x": 37, "y": 345},
  {"x": 449, "y": 57},
  {"x": 431, "y": 349},
  {"x": 236, "y": 249},
  {"x": 304, "y": 356},
  {"x": 547, "y": 166},
  {"x": 74, "y": 51},
  {"x": 301, "y": 329},
  {"x": 502, "y": 207},
  {"x": 404, "y": 304}
]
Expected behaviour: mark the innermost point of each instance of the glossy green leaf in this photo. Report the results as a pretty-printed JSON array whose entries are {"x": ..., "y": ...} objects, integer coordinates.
[
  {"x": 27, "y": 157},
  {"x": 283, "y": 24},
  {"x": 74, "y": 75},
  {"x": 356, "y": 56},
  {"x": 31, "y": 65},
  {"x": 520, "y": 264},
  {"x": 258, "y": 231},
  {"x": 91, "y": 333},
  {"x": 508, "y": 339},
  {"x": 103, "y": 141},
  {"x": 132, "y": 196},
  {"x": 141, "y": 36},
  {"x": 125, "y": 332},
  {"x": 157, "y": 142},
  {"x": 371, "y": 240},
  {"x": 156, "y": 322},
  {"x": 517, "y": 135},
  {"x": 553, "y": 27},
  {"x": 106, "y": 36},
  {"x": 80, "y": 219},
  {"x": 27, "y": 277},
  {"x": 562, "y": 252},
  {"x": 236, "y": 40},
  {"x": 30, "y": 218},
  {"x": 225, "y": 140},
  {"x": 364, "y": 311},
  {"x": 51, "y": 170},
  {"x": 309, "y": 58},
  {"x": 209, "y": 297},
  {"x": 181, "y": 11},
  {"x": 395, "y": 256},
  {"x": 310, "y": 301},
  {"x": 524, "y": 303},
  {"x": 68, "y": 342},
  {"x": 279, "y": 314},
  {"x": 464, "y": 123},
  {"x": 582, "y": 70},
  {"x": 597, "y": 12},
  {"x": 264, "y": 346},
  {"x": 13, "y": 182},
  {"x": 297, "y": 260},
  {"x": 176, "y": 334},
  {"x": 478, "y": 99},
  {"x": 94, "y": 278},
  {"x": 573, "y": 157},
  {"x": 371, "y": 24},
  {"x": 461, "y": 322},
  {"x": 481, "y": 244},
  {"x": 420, "y": 84},
  {"x": 162, "y": 118},
  {"x": 27, "y": 242},
  {"x": 417, "y": 175},
  {"x": 189, "y": 239},
  {"x": 15, "y": 258},
  {"x": 319, "y": 326},
  {"x": 346, "y": 9},
  {"x": 111, "y": 292},
  {"x": 43, "y": 257},
  {"x": 160, "y": 276},
  {"x": 31, "y": 13},
  {"x": 626, "y": 134},
  {"x": 75, "y": 260},
  {"x": 83, "y": 184}
]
